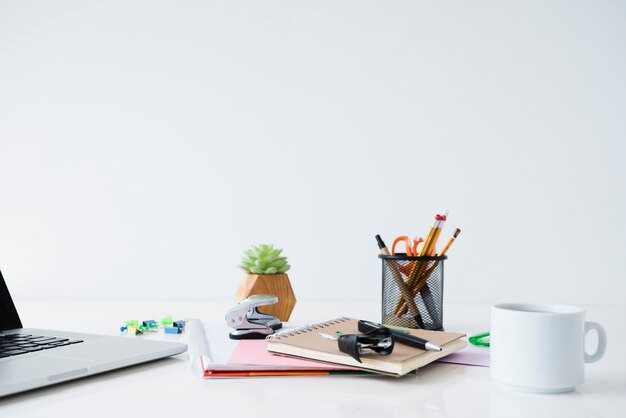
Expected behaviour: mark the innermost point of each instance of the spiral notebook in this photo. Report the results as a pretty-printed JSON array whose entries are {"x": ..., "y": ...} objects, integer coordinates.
[{"x": 307, "y": 343}]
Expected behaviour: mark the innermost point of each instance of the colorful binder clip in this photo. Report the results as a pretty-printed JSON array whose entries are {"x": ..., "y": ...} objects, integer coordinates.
[
  {"x": 131, "y": 330},
  {"x": 173, "y": 330},
  {"x": 167, "y": 321},
  {"x": 150, "y": 325},
  {"x": 134, "y": 327},
  {"x": 248, "y": 322}
]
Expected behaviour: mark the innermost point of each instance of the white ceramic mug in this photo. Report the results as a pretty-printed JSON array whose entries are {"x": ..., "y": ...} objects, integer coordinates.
[{"x": 541, "y": 348}]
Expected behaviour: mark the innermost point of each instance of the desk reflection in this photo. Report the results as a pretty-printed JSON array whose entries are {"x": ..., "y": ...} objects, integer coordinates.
[{"x": 509, "y": 403}]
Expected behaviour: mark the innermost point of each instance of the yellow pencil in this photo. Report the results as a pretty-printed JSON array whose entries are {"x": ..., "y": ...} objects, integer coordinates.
[
  {"x": 422, "y": 279},
  {"x": 418, "y": 267},
  {"x": 450, "y": 241}
]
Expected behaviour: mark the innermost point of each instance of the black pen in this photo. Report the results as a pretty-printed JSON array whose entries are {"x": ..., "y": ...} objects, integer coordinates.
[{"x": 400, "y": 337}]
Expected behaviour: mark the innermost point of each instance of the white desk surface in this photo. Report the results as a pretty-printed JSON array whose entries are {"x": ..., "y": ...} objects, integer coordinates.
[{"x": 166, "y": 388}]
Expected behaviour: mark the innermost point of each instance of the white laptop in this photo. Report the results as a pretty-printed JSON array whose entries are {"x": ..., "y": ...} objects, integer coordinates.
[{"x": 31, "y": 358}]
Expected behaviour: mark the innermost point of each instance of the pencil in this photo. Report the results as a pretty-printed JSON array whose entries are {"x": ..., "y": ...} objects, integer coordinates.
[
  {"x": 421, "y": 283},
  {"x": 450, "y": 241},
  {"x": 428, "y": 249}
]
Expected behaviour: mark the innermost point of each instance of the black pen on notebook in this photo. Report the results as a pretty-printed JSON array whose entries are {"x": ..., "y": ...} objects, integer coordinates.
[{"x": 407, "y": 339}]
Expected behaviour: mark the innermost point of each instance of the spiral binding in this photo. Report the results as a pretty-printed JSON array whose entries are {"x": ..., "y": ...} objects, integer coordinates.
[{"x": 308, "y": 328}]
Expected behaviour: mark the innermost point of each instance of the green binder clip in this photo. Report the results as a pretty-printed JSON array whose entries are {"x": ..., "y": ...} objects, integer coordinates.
[
  {"x": 480, "y": 340},
  {"x": 167, "y": 321}
]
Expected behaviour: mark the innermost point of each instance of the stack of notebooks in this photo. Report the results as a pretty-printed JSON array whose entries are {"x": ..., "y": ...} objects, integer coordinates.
[
  {"x": 303, "y": 351},
  {"x": 307, "y": 343}
]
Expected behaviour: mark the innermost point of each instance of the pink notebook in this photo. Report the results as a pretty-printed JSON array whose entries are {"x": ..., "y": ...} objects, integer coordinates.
[{"x": 255, "y": 352}]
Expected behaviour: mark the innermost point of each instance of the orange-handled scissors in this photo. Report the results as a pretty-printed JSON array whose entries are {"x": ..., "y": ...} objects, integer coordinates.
[{"x": 411, "y": 251}]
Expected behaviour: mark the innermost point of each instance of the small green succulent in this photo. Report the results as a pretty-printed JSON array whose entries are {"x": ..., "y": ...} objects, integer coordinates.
[{"x": 264, "y": 259}]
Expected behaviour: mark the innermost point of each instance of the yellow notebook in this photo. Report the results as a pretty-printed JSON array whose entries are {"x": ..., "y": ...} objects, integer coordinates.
[{"x": 306, "y": 342}]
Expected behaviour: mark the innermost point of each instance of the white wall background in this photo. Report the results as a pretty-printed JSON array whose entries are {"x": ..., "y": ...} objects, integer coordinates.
[{"x": 145, "y": 144}]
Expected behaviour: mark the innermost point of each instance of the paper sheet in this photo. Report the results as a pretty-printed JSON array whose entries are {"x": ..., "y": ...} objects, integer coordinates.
[
  {"x": 469, "y": 356},
  {"x": 198, "y": 347}
]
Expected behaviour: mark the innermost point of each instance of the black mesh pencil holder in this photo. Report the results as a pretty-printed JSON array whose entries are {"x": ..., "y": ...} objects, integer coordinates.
[{"x": 413, "y": 291}]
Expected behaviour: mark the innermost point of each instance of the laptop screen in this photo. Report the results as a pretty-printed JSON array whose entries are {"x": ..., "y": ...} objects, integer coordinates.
[{"x": 9, "y": 319}]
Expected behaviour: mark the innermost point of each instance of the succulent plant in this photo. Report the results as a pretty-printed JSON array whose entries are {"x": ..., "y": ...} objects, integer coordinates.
[{"x": 264, "y": 259}]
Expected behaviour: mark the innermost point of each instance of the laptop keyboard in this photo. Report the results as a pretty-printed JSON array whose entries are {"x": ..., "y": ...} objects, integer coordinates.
[{"x": 16, "y": 344}]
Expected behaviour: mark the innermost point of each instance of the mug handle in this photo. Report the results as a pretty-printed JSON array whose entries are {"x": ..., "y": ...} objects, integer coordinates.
[{"x": 592, "y": 358}]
